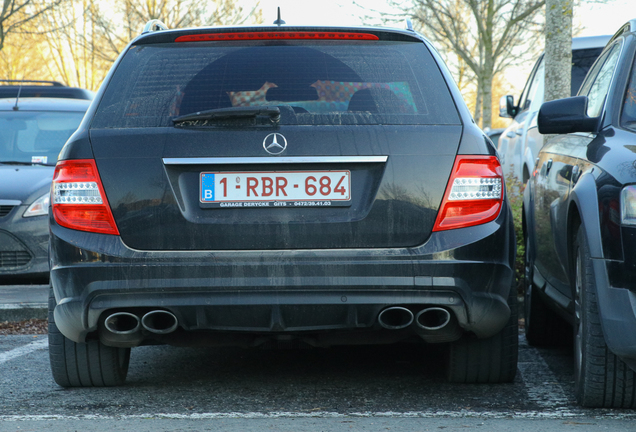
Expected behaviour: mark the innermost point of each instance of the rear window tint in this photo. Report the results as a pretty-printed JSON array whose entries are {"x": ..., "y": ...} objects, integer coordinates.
[{"x": 326, "y": 83}]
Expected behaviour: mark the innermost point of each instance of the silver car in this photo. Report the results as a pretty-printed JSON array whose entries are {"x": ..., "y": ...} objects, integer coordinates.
[{"x": 520, "y": 143}]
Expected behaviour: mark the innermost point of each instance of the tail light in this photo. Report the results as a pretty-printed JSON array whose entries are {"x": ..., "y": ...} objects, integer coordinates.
[
  {"x": 78, "y": 198},
  {"x": 474, "y": 193},
  {"x": 243, "y": 36}
]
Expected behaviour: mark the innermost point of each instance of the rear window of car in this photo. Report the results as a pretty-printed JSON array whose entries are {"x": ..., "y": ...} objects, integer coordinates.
[{"x": 326, "y": 83}]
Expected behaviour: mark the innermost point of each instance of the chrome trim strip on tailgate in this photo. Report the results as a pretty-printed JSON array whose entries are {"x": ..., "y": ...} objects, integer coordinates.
[{"x": 274, "y": 160}]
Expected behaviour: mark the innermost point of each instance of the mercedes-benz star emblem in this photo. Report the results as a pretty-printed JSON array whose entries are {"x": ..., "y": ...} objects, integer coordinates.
[{"x": 274, "y": 143}]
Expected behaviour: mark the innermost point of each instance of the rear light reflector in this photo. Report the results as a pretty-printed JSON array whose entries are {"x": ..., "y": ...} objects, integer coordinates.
[
  {"x": 78, "y": 198},
  {"x": 474, "y": 194},
  {"x": 244, "y": 36}
]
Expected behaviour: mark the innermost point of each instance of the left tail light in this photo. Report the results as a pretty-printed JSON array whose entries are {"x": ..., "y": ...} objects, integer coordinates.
[
  {"x": 474, "y": 194},
  {"x": 78, "y": 199}
]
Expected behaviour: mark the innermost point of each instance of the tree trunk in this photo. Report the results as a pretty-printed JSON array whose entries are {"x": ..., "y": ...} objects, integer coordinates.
[
  {"x": 486, "y": 100},
  {"x": 478, "y": 107},
  {"x": 558, "y": 49}
]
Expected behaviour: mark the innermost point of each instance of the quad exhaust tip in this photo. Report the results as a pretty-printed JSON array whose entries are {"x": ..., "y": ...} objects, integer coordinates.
[
  {"x": 433, "y": 318},
  {"x": 122, "y": 323},
  {"x": 395, "y": 318},
  {"x": 160, "y": 322}
]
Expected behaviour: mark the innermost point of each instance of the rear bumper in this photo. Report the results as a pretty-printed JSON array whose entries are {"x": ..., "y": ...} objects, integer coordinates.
[{"x": 467, "y": 271}]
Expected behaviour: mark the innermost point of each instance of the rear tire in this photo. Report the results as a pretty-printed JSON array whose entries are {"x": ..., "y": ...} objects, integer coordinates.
[
  {"x": 492, "y": 360},
  {"x": 602, "y": 380},
  {"x": 90, "y": 364}
]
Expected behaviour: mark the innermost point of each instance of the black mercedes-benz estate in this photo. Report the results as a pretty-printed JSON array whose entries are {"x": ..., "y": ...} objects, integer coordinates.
[
  {"x": 580, "y": 226},
  {"x": 252, "y": 186}
]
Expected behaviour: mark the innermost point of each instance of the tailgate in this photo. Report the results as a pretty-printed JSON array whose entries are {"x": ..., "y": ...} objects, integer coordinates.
[{"x": 388, "y": 182}]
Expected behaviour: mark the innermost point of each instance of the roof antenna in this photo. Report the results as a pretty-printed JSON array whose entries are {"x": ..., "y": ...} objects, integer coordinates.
[
  {"x": 279, "y": 21},
  {"x": 17, "y": 98}
]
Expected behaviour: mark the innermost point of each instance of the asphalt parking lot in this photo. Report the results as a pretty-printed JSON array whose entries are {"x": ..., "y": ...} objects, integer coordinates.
[{"x": 398, "y": 387}]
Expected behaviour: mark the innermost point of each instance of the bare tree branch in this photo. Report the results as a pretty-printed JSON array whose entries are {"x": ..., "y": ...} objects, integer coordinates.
[
  {"x": 487, "y": 36},
  {"x": 16, "y": 13}
]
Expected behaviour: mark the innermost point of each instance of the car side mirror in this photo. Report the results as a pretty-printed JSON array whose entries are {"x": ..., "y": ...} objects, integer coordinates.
[
  {"x": 507, "y": 108},
  {"x": 563, "y": 116}
]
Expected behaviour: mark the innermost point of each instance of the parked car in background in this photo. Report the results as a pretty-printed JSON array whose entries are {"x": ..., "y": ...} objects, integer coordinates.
[
  {"x": 32, "y": 133},
  {"x": 580, "y": 227},
  {"x": 256, "y": 186},
  {"x": 494, "y": 135},
  {"x": 39, "y": 88},
  {"x": 520, "y": 143}
]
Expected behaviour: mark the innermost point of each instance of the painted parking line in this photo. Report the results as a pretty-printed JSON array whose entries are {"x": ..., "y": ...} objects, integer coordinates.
[
  {"x": 541, "y": 385},
  {"x": 23, "y": 350},
  {"x": 485, "y": 415}
]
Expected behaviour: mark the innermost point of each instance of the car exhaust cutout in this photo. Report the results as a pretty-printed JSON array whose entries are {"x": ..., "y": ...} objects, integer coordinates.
[
  {"x": 122, "y": 323},
  {"x": 395, "y": 318},
  {"x": 437, "y": 325},
  {"x": 160, "y": 322}
]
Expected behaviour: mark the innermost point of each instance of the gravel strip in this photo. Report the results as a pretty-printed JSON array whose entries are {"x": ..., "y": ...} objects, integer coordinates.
[{"x": 32, "y": 326}]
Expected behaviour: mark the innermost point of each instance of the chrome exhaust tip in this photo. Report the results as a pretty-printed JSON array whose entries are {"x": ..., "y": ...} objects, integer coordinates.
[
  {"x": 122, "y": 323},
  {"x": 395, "y": 318},
  {"x": 160, "y": 322},
  {"x": 433, "y": 318}
]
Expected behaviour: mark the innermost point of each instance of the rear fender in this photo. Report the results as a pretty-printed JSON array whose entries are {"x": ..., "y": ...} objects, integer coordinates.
[
  {"x": 584, "y": 201},
  {"x": 615, "y": 305}
]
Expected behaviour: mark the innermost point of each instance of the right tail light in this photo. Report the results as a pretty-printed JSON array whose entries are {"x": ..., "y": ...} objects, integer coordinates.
[{"x": 474, "y": 194}]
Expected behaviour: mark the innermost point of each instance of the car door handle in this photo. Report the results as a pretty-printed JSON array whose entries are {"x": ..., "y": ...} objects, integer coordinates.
[
  {"x": 519, "y": 131},
  {"x": 510, "y": 134},
  {"x": 548, "y": 165}
]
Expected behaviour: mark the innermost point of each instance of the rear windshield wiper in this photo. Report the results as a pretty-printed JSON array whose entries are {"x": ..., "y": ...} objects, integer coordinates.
[{"x": 273, "y": 112}]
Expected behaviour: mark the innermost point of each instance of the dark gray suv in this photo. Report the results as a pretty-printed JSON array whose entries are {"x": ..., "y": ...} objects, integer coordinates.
[{"x": 254, "y": 185}]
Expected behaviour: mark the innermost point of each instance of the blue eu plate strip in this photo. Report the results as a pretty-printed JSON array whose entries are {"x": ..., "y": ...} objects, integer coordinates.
[{"x": 207, "y": 187}]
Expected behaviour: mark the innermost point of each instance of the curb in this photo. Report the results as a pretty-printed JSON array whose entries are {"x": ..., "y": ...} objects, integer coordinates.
[{"x": 23, "y": 311}]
